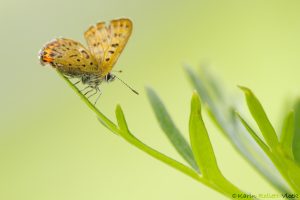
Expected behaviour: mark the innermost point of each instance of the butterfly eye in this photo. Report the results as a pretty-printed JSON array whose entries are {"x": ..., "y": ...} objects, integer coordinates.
[{"x": 109, "y": 77}]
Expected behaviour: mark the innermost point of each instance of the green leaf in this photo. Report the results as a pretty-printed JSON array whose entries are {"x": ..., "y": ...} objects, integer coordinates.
[
  {"x": 261, "y": 118},
  {"x": 201, "y": 146},
  {"x": 170, "y": 129},
  {"x": 296, "y": 141},
  {"x": 254, "y": 135},
  {"x": 287, "y": 134},
  {"x": 203, "y": 150},
  {"x": 121, "y": 119},
  {"x": 213, "y": 85},
  {"x": 199, "y": 86}
]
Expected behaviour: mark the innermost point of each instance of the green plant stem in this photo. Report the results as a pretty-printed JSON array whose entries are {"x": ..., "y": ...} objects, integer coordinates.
[
  {"x": 169, "y": 161},
  {"x": 288, "y": 169},
  {"x": 100, "y": 115},
  {"x": 130, "y": 138}
]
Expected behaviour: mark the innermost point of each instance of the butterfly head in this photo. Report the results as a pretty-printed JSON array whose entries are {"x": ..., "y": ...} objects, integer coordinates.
[{"x": 110, "y": 77}]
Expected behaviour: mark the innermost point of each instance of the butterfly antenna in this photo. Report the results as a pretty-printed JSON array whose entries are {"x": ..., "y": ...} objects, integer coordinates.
[
  {"x": 119, "y": 71},
  {"x": 127, "y": 85}
]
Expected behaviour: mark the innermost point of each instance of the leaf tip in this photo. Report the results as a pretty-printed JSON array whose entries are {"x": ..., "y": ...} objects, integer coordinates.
[
  {"x": 118, "y": 108},
  {"x": 243, "y": 88},
  {"x": 195, "y": 94},
  {"x": 149, "y": 90},
  {"x": 235, "y": 112},
  {"x": 246, "y": 90},
  {"x": 196, "y": 99}
]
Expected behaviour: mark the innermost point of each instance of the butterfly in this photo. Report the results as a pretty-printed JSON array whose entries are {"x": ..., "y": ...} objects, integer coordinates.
[{"x": 94, "y": 64}]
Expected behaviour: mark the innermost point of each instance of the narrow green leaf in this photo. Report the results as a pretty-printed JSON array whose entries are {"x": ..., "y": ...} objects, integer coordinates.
[
  {"x": 296, "y": 141},
  {"x": 199, "y": 86},
  {"x": 203, "y": 150},
  {"x": 287, "y": 134},
  {"x": 213, "y": 84},
  {"x": 121, "y": 119},
  {"x": 200, "y": 142},
  {"x": 261, "y": 118},
  {"x": 254, "y": 135},
  {"x": 167, "y": 125}
]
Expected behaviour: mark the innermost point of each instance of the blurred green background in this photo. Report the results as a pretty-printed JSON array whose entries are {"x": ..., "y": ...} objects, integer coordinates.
[{"x": 51, "y": 144}]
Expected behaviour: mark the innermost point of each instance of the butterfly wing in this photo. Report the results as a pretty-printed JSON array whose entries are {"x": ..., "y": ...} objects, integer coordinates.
[
  {"x": 69, "y": 57},
  {"x": 97, "y": 38},
  {"x": 107, "y": 43}
]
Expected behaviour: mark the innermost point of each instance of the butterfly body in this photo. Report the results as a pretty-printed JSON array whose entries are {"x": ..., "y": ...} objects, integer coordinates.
[{"x": 91, "y": 65}]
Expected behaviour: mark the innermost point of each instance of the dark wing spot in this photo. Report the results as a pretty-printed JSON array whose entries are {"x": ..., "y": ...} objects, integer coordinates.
[
  {"x": 74, "y": 55},
  {"x": 91, "y": 63},
  {"x": 52, "y": 54},
  {"x": 83, "y": 65},
  {"x": 115, "y": 45},
  {"x": 112, "y": 52},
  {"x": 107, "y": 59},
  {"x": 78, "y": 60},
  {"x": 85, "y": 53}
]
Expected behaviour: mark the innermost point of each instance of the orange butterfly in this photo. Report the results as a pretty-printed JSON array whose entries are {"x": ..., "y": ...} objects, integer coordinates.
[{"x": 93, "y": 65}]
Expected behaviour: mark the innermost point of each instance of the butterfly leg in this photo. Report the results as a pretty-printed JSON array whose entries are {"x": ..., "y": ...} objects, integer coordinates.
[
  {"x": 72, "y": 77},
  {"x": 96, "y": 91},
  {"x": 85, "y": 88},
  {"x": 69, "y": 77},
  {"x": 88, "y": 91},
  {"x": 76, "y": 82},
  {"x": 93, "y": 93},
  {"x": 98, "y": 96}
]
